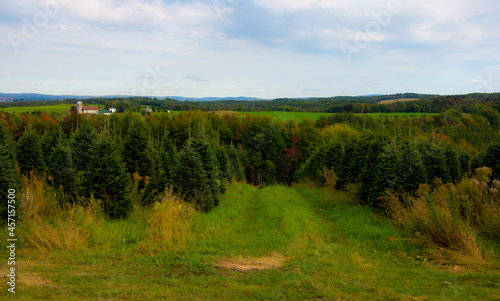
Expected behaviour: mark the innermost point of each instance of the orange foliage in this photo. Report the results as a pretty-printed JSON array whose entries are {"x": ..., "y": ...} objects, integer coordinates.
[{"x": 441, "y": 137}]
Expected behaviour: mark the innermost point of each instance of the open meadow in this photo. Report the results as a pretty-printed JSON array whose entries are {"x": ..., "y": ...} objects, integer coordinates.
[{"x": 60, "y": 109}]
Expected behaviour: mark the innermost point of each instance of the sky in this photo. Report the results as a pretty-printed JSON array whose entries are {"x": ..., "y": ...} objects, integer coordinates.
[{"x": 255, "y": 48}]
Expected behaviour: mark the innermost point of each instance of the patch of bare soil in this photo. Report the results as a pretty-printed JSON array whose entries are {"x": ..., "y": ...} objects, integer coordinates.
[
  {"x": 30, "y": 280},
  {"x": 251, "y": 264}
]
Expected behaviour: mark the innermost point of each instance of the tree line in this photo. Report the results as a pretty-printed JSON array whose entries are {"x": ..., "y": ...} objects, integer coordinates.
[{"x": 128, "y": 159}]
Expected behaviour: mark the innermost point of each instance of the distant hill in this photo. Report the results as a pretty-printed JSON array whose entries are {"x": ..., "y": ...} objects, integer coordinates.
[
  {"x": 180, "y": 98},
  {"x": 47, "y": 97}
]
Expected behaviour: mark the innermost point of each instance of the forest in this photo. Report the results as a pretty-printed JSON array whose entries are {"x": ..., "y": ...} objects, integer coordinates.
[{"x": 435, "y": 176}]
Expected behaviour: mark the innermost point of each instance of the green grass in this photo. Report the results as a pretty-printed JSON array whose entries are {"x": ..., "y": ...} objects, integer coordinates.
[
  {"x": 61, "y": 109},
  {"x": 336, "y": 250},
  {"x": 299, "y": 116}
]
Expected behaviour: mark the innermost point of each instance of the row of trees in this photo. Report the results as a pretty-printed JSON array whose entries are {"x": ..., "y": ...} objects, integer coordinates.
[
  {"x": 125, "y": 159},
  {"x": 378, "y": 163},
  {"x": 119, "y": 170}
]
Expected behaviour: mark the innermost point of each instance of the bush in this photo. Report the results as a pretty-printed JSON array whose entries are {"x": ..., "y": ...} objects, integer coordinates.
[{"x": 450, "y": 215}]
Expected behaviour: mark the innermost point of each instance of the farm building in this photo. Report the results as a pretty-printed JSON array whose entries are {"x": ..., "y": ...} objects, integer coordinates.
[{"x": 81, "y": 109}]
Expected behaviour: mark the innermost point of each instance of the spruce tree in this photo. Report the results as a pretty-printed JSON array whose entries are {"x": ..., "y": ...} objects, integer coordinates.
[
  {"x": 345, "y": 165},
  {"x": 135, "y": 149},
  {"x": 209, "y": 164},
  {"x": 235, "y": 163},
  {"x": 190, "y": 179},
  {"x": 453, "y": 164},
  {"x": 492, "y": 159},
  {"x": 333, "y": 156},
  {"x": 367, "y": 192},
  {"x": 411, "y": 169},
  {"x": 224, "y": 168},
  {"x": 310, "y": 170},
  {"x": 48, "y": 140},
  {"x": 60, "y": 169},
  {"x": 29, "y": 152},
  {"x": 7, "y": 169},
  {"x": 106, "y": 178},
  {"x": 82, "y": 143},
  {"x": 435, "y": 162}
]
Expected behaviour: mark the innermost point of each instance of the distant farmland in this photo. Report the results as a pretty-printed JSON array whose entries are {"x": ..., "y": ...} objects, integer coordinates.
[
  {"x": 297, "y": 116},
  {"x": 46, "y": 109}
]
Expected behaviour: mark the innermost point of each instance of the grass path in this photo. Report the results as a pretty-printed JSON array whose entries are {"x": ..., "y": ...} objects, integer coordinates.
[{"x": 335, "y": 250}]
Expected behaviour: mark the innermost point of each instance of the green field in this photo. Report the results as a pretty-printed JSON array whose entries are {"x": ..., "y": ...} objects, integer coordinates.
[
  {"x": 46, "y": 109},
  {"x": 275, "y": 243},
  {"x": 299, "y": 116}
]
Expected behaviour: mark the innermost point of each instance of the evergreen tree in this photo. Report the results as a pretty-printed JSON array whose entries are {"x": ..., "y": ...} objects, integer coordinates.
[
  {"x": 435, "y": 162},
  {"x": 357, "y": 160},
  {"x": 106, "y": 178},
  {"x": 190, "y": 179},
  {"x": 345, "y": 165},
  {"x": 29, "y": 152},
  {"x": 235, "y": 163},
  {"x": 48, "y": 140},
  {"x": 465, "y": 160},
  {"x": 453, "y": 164},
  {"x": 60, "y": 169},
  {"x": 492, "y": 159},
  {"x": 135, "y": 149},
  {"x": 82, "y": 143},
  {"x": 209, "y": 164},
  {"x": 224, "y": 168},
  {"x": 310, "y": 170},
  {"x": 333, "y": 156},
  {"x": 7, "y": 169},
  {"x": 367, "y": 192},
  {"x": 163, "y": 161},
  {"x": 411, "y": 169}
]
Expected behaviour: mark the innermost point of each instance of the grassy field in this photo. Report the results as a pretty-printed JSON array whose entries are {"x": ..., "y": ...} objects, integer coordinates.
[
  {"x": 46, "y": 109},
  {"x": 299, "y": 116},
  {"x": 275, "y": 243}
]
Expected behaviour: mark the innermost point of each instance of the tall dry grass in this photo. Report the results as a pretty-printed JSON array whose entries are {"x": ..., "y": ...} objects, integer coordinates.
[
  {"x": 450, "y": 216},
  {"x": 168, "y": 222},
  {"x": 46, "y": 225}
]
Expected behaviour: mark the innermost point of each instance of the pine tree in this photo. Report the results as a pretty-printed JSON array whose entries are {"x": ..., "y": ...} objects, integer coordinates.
[
  {"x": 492, "y": 159},
  {"x": 345, "y": 165},
  {"x": 190, "y": 179},
  {"x": 411, "y": 169},
  {"x": 61, "y": 170},
  {"x": 48, "y": 140},
  {"x": 163, "y": 161},
  {"x": 106, "y": 178},
  {"x": 435, "y": 162},
  {"x": 333, "y": 156},
  {"x": 453, "y": 164},
  {"x": 209, "y": 164},
  {"x": 135, "y": 149},
  {"x": 82, "y": 143},
  {"x": 224, "y": 168},
  {"x": 367, "y": 192},
  {"x": 235, "y": 163},
  {"x": 7, "y": 169},
  {"x": 310, "y": 170},
  {"x": 29, "y": 152}
]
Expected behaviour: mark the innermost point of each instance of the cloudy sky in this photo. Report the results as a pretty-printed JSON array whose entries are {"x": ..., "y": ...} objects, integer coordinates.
[{"x": 255, "y": 48}]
